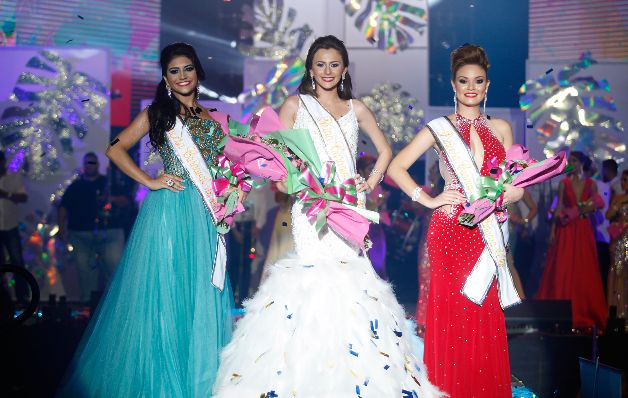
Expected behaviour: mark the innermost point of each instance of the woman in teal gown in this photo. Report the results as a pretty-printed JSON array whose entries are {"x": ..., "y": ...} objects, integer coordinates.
[{"x": 160, "y": 326}]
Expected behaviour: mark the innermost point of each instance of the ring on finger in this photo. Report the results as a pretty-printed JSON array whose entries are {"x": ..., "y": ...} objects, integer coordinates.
[{"x": 170, "y": 182}]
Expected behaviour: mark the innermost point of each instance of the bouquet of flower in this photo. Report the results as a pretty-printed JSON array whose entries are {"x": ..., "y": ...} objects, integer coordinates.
[
  {"x": 228, "y": 178},
  {"x": 518, "y": 169},
  {"x": 265, "y": 149}
]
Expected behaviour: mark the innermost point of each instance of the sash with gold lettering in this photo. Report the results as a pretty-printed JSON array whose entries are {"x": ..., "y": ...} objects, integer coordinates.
[
  {"x": 190, "y": 157},
  {"x": 336, "y": 145},
  {"x": 492, "y": 261}
]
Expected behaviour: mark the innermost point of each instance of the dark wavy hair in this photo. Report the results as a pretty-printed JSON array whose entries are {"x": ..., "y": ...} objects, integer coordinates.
[
  {"x": 163, "y": 111},
  {"x": 326, "y": 43},
  {"x": 468, "y": 54}
]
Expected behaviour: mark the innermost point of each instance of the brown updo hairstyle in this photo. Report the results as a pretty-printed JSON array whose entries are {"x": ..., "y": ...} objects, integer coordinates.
[{"x": 468, "y": 54}]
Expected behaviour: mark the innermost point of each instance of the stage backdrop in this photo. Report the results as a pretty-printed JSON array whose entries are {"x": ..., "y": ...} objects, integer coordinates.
[{"x": 54, "y": 108}]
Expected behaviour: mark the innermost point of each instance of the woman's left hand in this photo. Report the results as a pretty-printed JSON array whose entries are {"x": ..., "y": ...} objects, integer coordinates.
[
  {"x": 512, "y": 194},
  {"x": 361, "y": 184}
]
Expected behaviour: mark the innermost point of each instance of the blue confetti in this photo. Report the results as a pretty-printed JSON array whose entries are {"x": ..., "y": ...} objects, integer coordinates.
[
  {"x": 321, "y": 180},
  {"x": 374, "y": 326},
  {"x": 308, "y": 266},
  {"x": 530, "y": 126},
  {"x": 398, "y": 333},
  {"x": 386, "y": 367},
  {"x": 289, "y": 316},
  {"x": 351, "y": 351},
  {"x": 410, "y": 107},
  {"x": 366, "y": 382},
  {"x": 272, "y": 394},
  {"x": 550, "y": 70},
  {"x": 357, "y": 390}
]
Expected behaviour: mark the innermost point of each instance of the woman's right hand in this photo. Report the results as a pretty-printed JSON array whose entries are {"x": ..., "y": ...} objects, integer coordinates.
[
  {"x": 282, "y": 186},
  {"x": 166, "y": 181},
  {"x": 449, "y": 197}
]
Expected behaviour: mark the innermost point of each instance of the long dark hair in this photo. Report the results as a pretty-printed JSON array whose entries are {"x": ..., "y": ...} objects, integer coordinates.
[
  {"x": 163, "y": 111},
  {"x": 326, "y": 42}
]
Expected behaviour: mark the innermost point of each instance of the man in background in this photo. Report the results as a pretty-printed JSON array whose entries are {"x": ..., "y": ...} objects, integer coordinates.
[{"x": 91, "y": 220}]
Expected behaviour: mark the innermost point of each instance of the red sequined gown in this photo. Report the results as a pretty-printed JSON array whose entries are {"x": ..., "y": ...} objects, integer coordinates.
[
  {"x": 466, "y": 351},
  {"x": 571, "y": 270}
]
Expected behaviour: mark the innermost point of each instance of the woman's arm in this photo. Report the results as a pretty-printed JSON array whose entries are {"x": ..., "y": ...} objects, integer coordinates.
[
  {"x": 531, "y": 205},
  {"x": 118, "y": 149},
  {"x": 368, "y": 124},
  {"x": 287, "y": 115},
  {"x": 617, "y": 202},
  {"x": 288, "y": 111},
  {"x": 398, "y": 171},
  {"x": 504, "y": 132}
]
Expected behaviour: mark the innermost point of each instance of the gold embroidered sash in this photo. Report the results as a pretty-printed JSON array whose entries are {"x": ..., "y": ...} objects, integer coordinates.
[{"x": 192, "y": 160}]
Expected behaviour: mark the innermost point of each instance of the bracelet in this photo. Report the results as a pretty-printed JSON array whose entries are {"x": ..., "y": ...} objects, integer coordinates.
[
  {"x": 377, "y": 171},
  {"x": 416, "y": 194}
]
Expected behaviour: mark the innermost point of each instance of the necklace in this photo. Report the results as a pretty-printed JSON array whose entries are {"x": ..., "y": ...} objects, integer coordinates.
[{"x": 195, "y": 111}]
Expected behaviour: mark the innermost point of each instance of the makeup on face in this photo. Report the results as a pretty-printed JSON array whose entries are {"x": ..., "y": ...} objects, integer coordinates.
[
  {"x": 181, "y": 75},
  {"x": 471, "y": 83},
  {"x": 327, "y": 67}
]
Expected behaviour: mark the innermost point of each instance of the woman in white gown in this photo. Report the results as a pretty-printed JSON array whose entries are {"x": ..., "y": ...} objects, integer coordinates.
[{"x": 323, "y": 324}]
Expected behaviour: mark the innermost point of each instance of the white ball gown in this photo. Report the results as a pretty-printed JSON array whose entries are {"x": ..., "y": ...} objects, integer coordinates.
[{"x": 323, "y": 324}]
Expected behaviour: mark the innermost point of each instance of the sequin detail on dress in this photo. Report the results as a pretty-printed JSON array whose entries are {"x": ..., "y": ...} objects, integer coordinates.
[
  {"x": 206, "y": 134},
  {"x": 466, "y": 351}
]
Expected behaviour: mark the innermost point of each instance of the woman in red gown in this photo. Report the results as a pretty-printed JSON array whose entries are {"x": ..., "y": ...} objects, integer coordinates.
[
  {"x": 466, "y": 351},
  {"x": 571, "y": 269}
]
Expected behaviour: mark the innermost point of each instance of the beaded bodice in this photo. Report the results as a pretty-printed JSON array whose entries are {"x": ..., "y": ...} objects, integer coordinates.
[
  {"x": 309, "y": 243},
  {"x": 206, "y": 134},
  {"x": 491, "y": 148}
]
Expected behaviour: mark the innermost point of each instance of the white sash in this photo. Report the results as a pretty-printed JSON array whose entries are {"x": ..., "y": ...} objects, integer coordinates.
[
  {"x": 492, "y": 262},
  {"x": 334, "y": 140},
  {"x": 190, "y": 157}
]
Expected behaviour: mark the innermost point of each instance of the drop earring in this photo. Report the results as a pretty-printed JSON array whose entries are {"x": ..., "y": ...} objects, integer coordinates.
[
  {"x": 198, "y": 93},
  {"x": 169, "y": 91},
  {"x": 484, "y": 105},
  {"x": 455, "y": 103},
  {"x": 342, "y": 83},
  {"x": 313, "y": 84}
]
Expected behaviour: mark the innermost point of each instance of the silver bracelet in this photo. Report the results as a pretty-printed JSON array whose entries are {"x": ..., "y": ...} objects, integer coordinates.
[
  {"x": 377, "y": 171},
  {"x": 416, "y": 194}
]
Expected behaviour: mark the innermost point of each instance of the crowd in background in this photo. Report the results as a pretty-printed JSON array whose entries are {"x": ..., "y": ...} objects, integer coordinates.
[{"x": 589, "y": 210}]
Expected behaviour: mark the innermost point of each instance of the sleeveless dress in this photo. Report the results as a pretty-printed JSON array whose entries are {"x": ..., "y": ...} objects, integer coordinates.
[
  {"x": 571, "y": 270},
  {"x": 160, "y": 326},
  {"x": 466, "y": 351},
  {"x": 323, "y": 324}
]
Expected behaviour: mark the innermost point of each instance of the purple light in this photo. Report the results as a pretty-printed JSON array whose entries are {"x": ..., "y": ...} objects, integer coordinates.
[{"x": 18, "y": 160}]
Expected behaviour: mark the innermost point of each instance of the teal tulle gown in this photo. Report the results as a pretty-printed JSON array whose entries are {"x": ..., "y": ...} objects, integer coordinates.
[{"x": 160, "y": 326}]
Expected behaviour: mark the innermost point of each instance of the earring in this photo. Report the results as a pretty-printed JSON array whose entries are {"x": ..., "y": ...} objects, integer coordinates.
[
  {"x": 198, "y": 93},
  {"x": 169, "y": 91},
  {"x": 313, "y": 84},
  {"x": 484, "y": 106},
  {"x": 455, "y": 103},
  {"x": 342, "y": 83}
]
